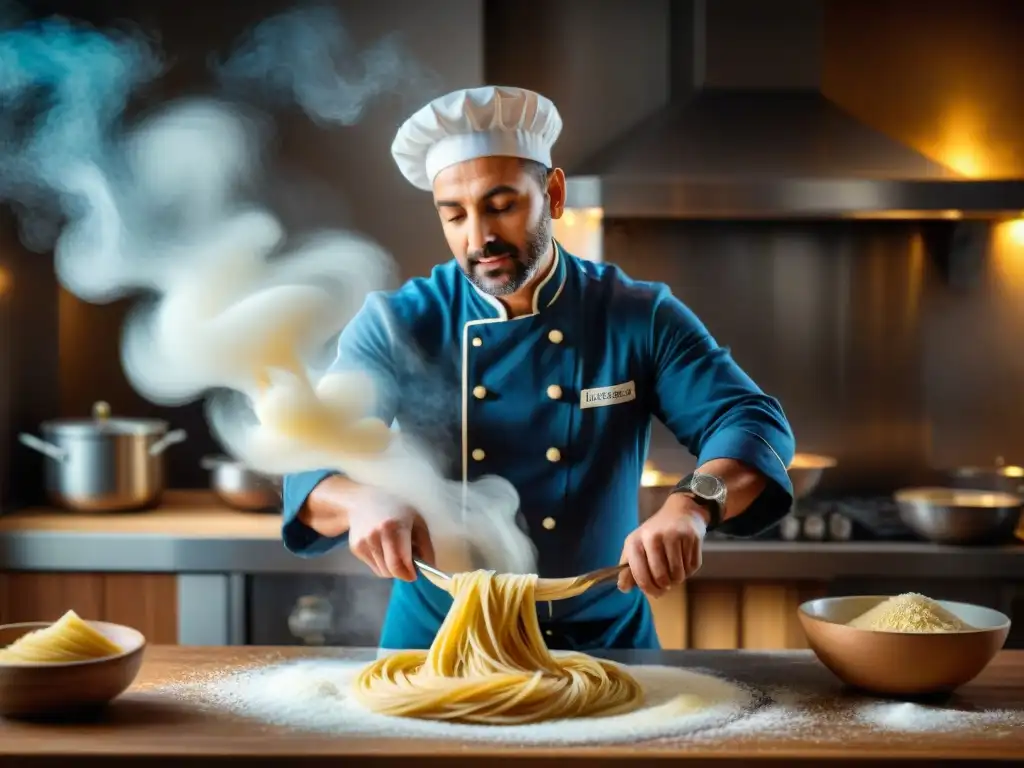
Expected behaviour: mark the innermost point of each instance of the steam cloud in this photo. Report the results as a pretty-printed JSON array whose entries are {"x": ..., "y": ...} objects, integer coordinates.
[
  {"x": 237, "y": 304},
  {"x": 306, "y": 57}
]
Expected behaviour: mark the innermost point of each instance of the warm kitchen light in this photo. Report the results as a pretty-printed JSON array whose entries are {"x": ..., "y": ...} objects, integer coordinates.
[
  {"x": 581, "y": 231},
  {"x": 6, "y": 282},
  {"x": 962, "y": 146},
  {"x": 811, "y": 461},
  {"x": 1007, "y": 254},
  {"x": 964, "y": 161},
  {"x": 1015, "y": 231},
  {"x": 904, "y": 215},
  {"x": 650, "y": 477}
]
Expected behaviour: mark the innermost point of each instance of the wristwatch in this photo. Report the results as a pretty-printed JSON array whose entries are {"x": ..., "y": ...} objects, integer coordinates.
[{"x": 707, "y": 490}]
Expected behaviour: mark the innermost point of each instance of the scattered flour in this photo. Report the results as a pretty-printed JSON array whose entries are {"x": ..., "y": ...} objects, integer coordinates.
[
  {"x": 910, "y": 717},
  {"x": 313, "y": 696},
  {"x": 682, "y": 706}
]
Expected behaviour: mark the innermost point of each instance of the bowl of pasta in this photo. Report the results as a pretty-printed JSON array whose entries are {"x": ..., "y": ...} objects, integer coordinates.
[{"x": 67, "y": 667}]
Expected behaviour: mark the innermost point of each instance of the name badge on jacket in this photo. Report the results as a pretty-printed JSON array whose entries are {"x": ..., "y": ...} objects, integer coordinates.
[{"x": 601, "y": 396}]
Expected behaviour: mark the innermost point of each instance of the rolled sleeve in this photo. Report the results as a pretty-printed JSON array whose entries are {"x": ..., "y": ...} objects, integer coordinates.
[
  {"x": 299, "y": 538},
  {"x": 717, "y": 411},
  {"x": 756, "y": 448}
]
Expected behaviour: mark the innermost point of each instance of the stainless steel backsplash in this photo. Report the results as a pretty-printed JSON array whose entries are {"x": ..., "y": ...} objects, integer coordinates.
[{"x": 877, "y": 359}]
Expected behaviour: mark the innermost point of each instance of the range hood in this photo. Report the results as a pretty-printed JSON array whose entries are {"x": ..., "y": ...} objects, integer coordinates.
[{"x": 730, "y": 146}]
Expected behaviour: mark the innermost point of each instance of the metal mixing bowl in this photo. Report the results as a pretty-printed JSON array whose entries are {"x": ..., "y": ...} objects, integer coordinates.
[
  {"x": 242, "y": 488},
  {"x": 960, "y": 516},
  {"x": 805, "y": 472}
]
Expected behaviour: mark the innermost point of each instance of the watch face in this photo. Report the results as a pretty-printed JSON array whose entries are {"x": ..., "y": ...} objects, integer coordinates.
[{"x": 708, "y": 486}]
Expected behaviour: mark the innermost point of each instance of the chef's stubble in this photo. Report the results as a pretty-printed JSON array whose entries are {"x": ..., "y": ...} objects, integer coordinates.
[{"x": 525, "y": 263}]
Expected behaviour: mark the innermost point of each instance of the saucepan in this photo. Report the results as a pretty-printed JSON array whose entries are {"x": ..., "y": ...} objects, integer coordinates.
[
  {"x": 960, "y": 515},
  {"x": 998, "y": 477},
  {"x": 805, "y": 471},
  {"x": 104, "y": 464},
  {"x": 241, "y": 487}
]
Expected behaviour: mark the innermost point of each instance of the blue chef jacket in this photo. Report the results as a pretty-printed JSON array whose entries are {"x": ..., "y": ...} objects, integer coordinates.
[{"x": 559, "y": 403}]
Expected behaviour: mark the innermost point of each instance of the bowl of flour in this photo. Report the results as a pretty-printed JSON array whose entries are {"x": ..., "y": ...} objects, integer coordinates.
[{"x": 903, "y": 645}]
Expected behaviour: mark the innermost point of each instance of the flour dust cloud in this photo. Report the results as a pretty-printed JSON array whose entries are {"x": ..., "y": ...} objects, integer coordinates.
[{"x": 231, "y": 306}]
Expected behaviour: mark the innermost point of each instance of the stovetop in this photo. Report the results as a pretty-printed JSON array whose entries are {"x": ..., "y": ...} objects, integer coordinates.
[{"x": 842, "y": 518}]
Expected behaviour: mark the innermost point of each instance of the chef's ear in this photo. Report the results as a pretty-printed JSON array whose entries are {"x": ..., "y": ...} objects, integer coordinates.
[{"x": 556, "y": 192}]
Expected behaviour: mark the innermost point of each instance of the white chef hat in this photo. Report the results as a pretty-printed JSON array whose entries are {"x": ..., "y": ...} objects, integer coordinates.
[{"x": 475, "y": 122}]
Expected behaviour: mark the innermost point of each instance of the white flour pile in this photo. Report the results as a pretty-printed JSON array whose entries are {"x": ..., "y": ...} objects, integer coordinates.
[{"x": 313, "y": 696}]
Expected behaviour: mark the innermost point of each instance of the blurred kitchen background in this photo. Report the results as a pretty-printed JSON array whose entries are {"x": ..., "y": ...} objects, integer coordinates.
[{"x": 836, "y": 189}]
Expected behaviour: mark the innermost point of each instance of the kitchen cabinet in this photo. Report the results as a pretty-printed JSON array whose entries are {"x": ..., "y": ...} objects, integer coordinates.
[
  {"x": 729, "y": 615},
  {"x": 146, "y": 601}
]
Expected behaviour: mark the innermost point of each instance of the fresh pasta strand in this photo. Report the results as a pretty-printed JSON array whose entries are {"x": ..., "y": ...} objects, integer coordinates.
[
  {"x": 66, "y": 640},
  {"x": 489, "y": 664}
]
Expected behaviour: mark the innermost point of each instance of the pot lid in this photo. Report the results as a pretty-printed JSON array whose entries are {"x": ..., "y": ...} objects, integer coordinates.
[
  {"x": 220, "y": 460},
  {"x": 1000, "y": 467},
  {"x": 102, "y": 423}
]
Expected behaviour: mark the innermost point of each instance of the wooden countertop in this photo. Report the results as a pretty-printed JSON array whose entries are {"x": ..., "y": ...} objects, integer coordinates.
[
  {"x": 151, "y": 726},
  {"x": 182, "y": 514}
]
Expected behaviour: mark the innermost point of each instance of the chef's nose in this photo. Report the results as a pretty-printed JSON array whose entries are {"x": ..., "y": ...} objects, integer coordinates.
[{"x": 479, "y": 236}]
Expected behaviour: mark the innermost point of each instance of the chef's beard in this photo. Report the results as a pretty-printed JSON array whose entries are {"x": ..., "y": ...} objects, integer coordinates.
[{"x": 521, "y": 268}]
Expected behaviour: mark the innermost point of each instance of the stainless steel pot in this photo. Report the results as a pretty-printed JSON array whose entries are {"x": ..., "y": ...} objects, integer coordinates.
[
  {"x": 805, "y": 472},
  {"x": 1001, "y": 476},
  {"x": 960, "y": 515},
  {"x": 240, "y": 487},
  {"x": 104, "y": 464}
]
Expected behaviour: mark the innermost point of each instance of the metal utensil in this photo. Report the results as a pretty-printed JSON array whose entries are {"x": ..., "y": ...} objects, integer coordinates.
[
  {"x": 104, "y": 463},
  {"x": 959, "y": 515},
  {"x": 240, "y": 487},
  {"x": 547, "y": 589}
]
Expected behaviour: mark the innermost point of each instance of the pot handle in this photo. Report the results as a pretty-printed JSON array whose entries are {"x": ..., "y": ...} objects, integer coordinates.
[
  {"x": 210, "y": 462},
  {"x": 47, "y": 449},
  {"x": 165, "y": 442}
]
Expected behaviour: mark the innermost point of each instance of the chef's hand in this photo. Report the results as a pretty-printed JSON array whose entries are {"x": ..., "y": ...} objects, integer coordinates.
[
  {"x": 666, "y": 549},
  {"x": 384, "y": 533}
]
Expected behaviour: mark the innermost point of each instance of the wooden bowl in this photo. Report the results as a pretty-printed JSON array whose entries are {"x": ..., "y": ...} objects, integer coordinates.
[
  {"x": 78, "y": 687},
  {"x": 901, "y": 663}
]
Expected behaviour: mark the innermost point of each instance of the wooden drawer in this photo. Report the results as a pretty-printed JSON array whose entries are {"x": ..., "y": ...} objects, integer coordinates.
[{"x": 145, "y": 601}]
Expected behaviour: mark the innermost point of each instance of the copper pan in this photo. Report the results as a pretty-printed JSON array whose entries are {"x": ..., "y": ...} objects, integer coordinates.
[{"x": 901, "y": 663}]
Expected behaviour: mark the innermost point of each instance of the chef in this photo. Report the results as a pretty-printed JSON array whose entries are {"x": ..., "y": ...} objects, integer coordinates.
[{"x": 545, "y": 369}]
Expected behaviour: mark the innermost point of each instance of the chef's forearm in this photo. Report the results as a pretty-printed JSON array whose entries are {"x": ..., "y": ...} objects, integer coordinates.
[
  {"x": 743, "y": 484},
  {"x": 326, "y": 509}
]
